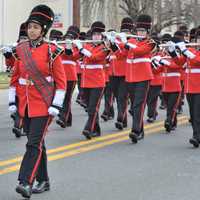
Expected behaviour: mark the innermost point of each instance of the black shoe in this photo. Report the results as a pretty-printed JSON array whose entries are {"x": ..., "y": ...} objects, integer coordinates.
[
  {"x": 125, "y": 125},
  {"x": 61, "y": 123},
  {"x": 194, "y": 142},
  {"x": 150, "y": 120},
  {"x": 140, "y": 136},
  {"x": 167, "y": 127},
  {"x": 133, "y": 137},
  {"x": 25, "y": 190},
  {"x": 162, "y": 107},
  {"x": 17, "y": 132},
  {"x": 180, "y": 111},
  {"x": 105, "y": 117},
  {"x": 87, "y": 134},
  {"x": 95, "y": 134},
  {"x": 119, "y": 125},
  {"x": 41, "y": 187}
]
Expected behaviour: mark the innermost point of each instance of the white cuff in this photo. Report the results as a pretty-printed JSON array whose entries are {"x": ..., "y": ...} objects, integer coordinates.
[
  {"x": 12, "y": 95},
  {"x": 164, "y": 62},
  {"x": 132, "y": 46},
  {"x": 59, "y": 98},
  {"x": 189, "y": 54},
  {"x": 86, "y": 52}
]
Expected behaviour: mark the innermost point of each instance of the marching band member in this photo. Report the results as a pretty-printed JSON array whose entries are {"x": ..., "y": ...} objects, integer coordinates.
[
  {"x": 93, "y": 78},
  {"x": 19, "y": 128},
  {"x": 118, "y": 83},
  {"x": 191, "y": 56},
  {"x": 69, "y": 61},
  {"x": 139, "y": 74},
  {"x": 40, "y": 78}
]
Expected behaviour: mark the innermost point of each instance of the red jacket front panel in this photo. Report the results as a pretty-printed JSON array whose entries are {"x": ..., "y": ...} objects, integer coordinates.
[
  {"x": 93, "y": 75},
  {"x": 27, "y": 93},
  {"x": 138, "y": 63},
  {"x": 192, "y": 72}
]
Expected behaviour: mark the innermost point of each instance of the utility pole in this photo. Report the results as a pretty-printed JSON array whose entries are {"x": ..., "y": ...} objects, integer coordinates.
[{"x": 76, "y": 12}]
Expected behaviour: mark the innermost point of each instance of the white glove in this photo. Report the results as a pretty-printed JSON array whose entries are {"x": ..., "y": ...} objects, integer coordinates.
[
  {"x": 11, "y": 94},
  {"x": 7, "y": 50},
  {"x": 53, "y": 111},
  {"x": 86, "y": 53},
  {"x": 78, "y": 44},
  {"x": 59, "y": 98},
  {"x": 68, "y": 45},
  {"x": 123, "y": 37},
  {"x": 181, "y": 46},
  {"x": 172, "y": 46},
  {"x": 184, "y": 50},
  {"x": 164, "y": 62},
  {"x": 131, "y": 46},
  {"x": 12, "y": 109},
  {"x": 157, "y": 58}
]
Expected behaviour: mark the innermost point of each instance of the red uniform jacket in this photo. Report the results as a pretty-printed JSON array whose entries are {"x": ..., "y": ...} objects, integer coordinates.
[
  {"x": 138, "y": 63},
  {"x": 27, "y": 93},
  {"x": 118, "y": 61},
  {"x": 70, "y": 64},
  {"x": 192, "y": 72},
  {"x": 93, "y": 75},
  {"x": 171, "y": 81}
]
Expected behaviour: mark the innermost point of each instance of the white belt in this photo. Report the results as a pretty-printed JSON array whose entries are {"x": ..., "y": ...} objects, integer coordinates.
[
  {"x": 138, "y": 60},
  {"x": 193, "y": 71},
  {"x": 23, "y": 81},
  {"x": 171, "y": 74},
  {"x": 69, "y": 62},
  {"x": 92, "y": 66},
  {"x": 113, "y": 57}
]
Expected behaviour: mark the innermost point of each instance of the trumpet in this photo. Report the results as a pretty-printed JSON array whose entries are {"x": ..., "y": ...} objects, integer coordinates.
[
  {"x": 192, "y": 44},
  {"x": 116, "y": 34},
  {"x": 82, "y": 41}
]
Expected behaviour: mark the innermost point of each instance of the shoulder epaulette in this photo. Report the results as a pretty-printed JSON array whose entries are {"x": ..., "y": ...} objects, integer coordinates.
[{"x": 58, "y": 51}]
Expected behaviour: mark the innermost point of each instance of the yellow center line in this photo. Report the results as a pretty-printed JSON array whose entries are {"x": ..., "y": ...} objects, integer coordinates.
[
  {"x": 83, "y": 143},
  {"x": 87, "y": 148}
]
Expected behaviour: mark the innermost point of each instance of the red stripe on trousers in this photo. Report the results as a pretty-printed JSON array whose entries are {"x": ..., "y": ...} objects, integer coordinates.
[{"x": 40, "y": 152}]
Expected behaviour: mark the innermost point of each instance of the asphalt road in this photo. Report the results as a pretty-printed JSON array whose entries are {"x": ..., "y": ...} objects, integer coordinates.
[{"x": 161, "y": 167}]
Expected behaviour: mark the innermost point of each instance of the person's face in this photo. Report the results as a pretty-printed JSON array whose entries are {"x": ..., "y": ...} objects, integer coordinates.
[
  {"x": 142, "y": 32},
  {"x": 34, "y": 31},
  {"x": 96, "y": 36}
]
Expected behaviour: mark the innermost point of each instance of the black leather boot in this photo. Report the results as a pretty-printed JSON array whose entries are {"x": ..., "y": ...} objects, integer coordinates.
[
  {"x": 25, "y": 190},
  {"x": 41, "y": 187}
]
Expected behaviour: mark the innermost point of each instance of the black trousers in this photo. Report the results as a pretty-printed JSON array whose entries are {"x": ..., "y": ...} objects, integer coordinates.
[
  {"x": 108, "y": 99},
  {"x": 194, "y": 108},
  {"x": 138, "y": 93},
  {"x": 34, "y": 163},
  {"x": 80, "y": 90},
  {"x": 93, "y": 100},
  {"x": 119, "y": 88},
  {"x": 152, "y": 99},
  {"x": 66, "y": 114},
  {"x": 172, "y": 100}
]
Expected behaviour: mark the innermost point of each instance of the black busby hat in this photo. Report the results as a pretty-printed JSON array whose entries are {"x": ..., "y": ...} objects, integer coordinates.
[
  {"x": 166, "y": 37},
  {"x": 193, "y": 33},
  {"x": 22, "y": 31},
  {"x": 55, "y": 35},
  {"x": 144, "y": 21},
  {"x": 73, "y": 31},
  {"x": 82, "y": 35},
  {"x": 197, "y": 34},
  {"x": 179, "y": 35},
  {"x": 98, "y": 27},
  {"x": 42, "y": 15},
  {"x": 89, "y": 34},
  {"x": 127, "y": 24}
]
